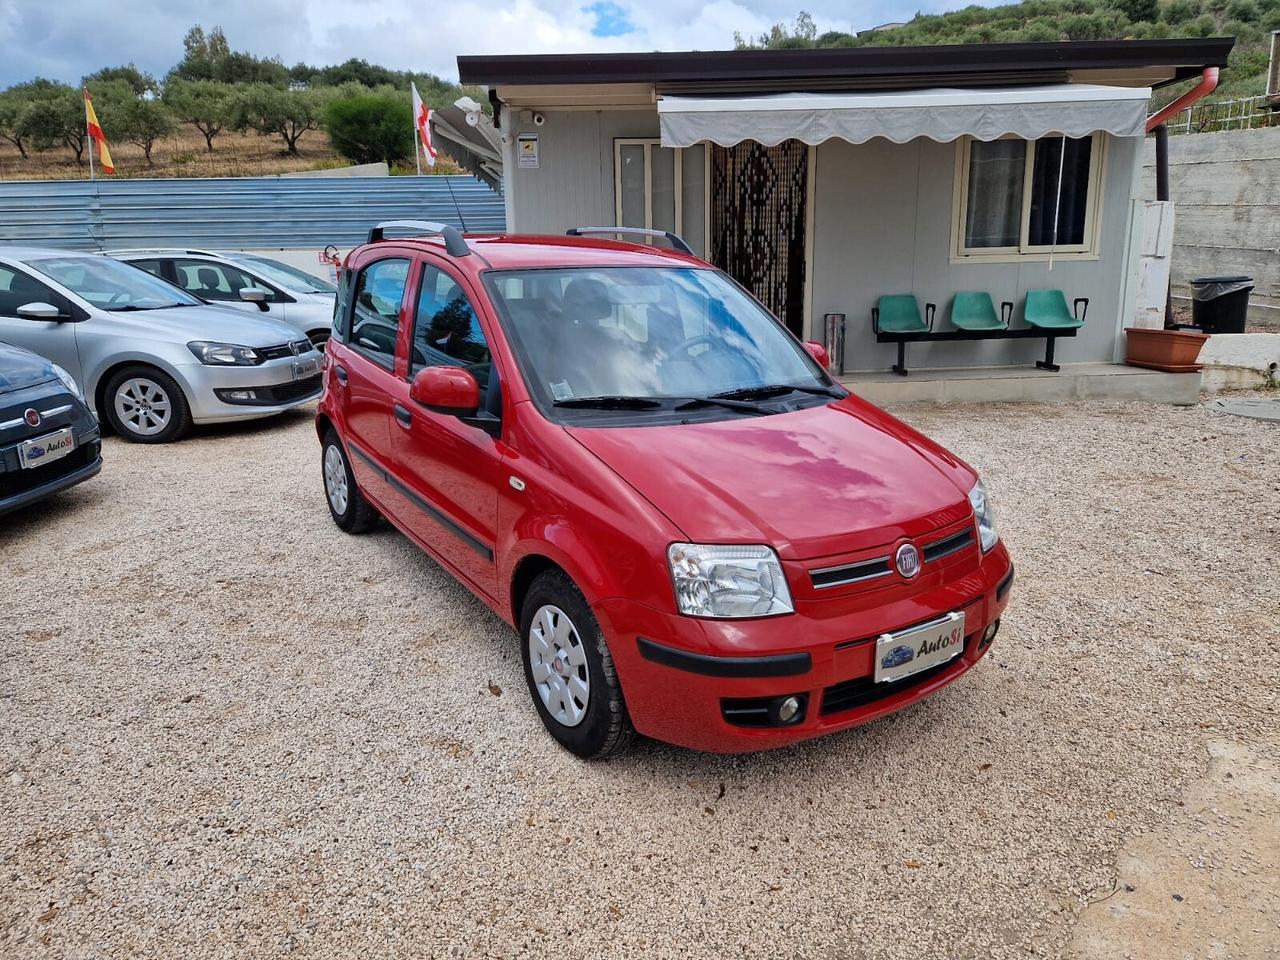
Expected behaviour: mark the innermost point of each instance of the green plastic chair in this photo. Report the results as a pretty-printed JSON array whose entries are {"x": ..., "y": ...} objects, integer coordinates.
[
  {"x": 975, "y": 311},
  {"x": 896, "y": 319},
  {"x": 1047, "y": 309},
  {"x": 901, "y": 314}
]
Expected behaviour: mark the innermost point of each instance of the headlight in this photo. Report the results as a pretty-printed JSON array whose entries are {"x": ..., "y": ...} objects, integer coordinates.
[
  {"x": 986, "y": 516},
  {"x": 728, "y": 581},
  {"x": 224, "y": 354},
  {"x": 68, "y": 382}
]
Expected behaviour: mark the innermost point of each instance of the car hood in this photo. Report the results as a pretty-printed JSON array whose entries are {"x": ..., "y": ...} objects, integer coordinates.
[
  {"x": 825, "y": 480},
  {"x": 206, "y": 322},
  {"x": 21, "y": 368}
]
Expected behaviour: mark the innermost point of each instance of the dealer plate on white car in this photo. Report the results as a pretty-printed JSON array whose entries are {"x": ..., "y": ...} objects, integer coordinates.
[
  {"x": 305, "y": 368},
  {"x": 42, "y": 450},
  {"x": 901, "y": 654}
]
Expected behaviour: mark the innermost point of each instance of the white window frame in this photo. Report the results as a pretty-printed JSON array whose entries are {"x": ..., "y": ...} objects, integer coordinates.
[
  {"x": 1088, "y": 250},
  {"x": 649, "y": 143}
]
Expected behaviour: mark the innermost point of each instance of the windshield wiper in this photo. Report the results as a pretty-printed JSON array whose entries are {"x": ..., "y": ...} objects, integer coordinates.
[
  {"x": 776, "y": 390},
  {"x": 719, "y": 401},
  {"x": 609, "y": 403},
  {"x": 129, "y": 307}
]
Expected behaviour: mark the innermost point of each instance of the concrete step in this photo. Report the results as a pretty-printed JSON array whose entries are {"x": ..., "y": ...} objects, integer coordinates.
[{"x": 1076, "y": 381}]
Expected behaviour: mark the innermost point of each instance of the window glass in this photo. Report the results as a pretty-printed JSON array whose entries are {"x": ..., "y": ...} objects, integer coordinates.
[
  {"x": 693, "y": 186},
  {"x": 663, "y": 182},
  {"x": 375, "y": 323},
  {"x": 110, "y": 284},
  {"x": 644, "y": 332},
  {"x": 1071, "y": 203},
  {"x": 286, "y": 275},
  {"x": 446, "y": 330},
  {"x": 151, "y": 266},
  {"x": 994, "y": 207},
  {"x": 215, "y": 281},
  {"x": 17, "y": 289},
  {"x": 631, "y": 156}
]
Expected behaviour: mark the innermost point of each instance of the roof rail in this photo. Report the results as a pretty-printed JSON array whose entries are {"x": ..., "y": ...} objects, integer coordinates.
[
  {"x": 676, "y": 241},
  {"x": 187, "y": 250},
  {"x": 454, "y": 244}
]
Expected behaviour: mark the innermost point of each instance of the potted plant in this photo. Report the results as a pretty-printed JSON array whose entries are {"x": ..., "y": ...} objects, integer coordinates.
[{"x": 1174, "y": 351}]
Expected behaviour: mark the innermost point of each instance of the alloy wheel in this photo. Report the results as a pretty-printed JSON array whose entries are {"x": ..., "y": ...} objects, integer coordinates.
[
  {"x": 143, "y": 406},
  {"x": 335, "y": 479},
  {"x": 559, "y": 664}
]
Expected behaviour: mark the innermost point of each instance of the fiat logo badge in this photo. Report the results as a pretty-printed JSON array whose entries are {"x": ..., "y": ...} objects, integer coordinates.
[
  {"x": 907, "y": 560},
  {"x": 32, "y": 416}
]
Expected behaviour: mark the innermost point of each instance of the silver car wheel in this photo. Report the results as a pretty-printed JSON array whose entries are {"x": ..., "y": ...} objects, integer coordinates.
[
  {"x": 335, "y": 479},
  {"x": 143, "y": 406},
  {"x": 559, "y": 664}
]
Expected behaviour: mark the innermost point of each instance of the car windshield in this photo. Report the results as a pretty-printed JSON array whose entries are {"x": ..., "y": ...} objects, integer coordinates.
[
  {"x": 633, "y": 337},
  {"x": 112, "y": 285},
  {"x": 281, "y": 274}
]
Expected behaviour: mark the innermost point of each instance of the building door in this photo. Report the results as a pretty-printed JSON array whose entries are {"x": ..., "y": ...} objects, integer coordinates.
[{"x": 758, "y": 196}]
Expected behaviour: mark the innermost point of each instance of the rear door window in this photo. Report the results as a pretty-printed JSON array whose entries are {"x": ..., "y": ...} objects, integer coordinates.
[{"x": 375, "y": 314}]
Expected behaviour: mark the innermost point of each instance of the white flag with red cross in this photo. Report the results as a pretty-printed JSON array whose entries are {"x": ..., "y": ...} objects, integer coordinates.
[{"x": 422, "y": 120}]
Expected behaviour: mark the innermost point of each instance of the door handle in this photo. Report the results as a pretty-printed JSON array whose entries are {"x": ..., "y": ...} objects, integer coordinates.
[
  {"x": 403, "y": 416},
  {"x": 341, "y": 373}
]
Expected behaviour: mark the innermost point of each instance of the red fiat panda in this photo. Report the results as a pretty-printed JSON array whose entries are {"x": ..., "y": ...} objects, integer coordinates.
[{"x": 699, "y": 535}]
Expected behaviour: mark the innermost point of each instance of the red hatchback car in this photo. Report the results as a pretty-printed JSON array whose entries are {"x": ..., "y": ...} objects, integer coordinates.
[{"x": 699, "y": 535}]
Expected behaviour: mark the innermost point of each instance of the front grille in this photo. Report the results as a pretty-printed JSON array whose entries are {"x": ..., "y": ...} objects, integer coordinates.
[
  {"x": 20, "y": 481},
  {"x": 282, "y": 350},
  {"x": 948, "y": 545},
  {"x": 850, "y": 573},
  {"x": 864, "y": 690},
  {"x": 286, "y": 392}
]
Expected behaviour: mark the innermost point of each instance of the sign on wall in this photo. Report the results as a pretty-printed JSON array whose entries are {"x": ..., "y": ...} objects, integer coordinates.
[{"x": 527, "y": 151}]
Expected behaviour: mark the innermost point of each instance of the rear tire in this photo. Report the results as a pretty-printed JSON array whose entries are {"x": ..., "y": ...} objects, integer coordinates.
[
  {"x": 144, "y": 405},
  {"x": 570, "y": 671},
  {"x": 347, "y": 505}
]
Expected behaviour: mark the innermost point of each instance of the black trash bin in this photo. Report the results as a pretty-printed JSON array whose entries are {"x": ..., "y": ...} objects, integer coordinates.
[{"x": 1220, "y": 304}]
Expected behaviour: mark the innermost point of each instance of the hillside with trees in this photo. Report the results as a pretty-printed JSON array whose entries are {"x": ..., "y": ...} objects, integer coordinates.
[
  {"x": 219, "y": 112},
  {"x": 1249, "y": 21}
]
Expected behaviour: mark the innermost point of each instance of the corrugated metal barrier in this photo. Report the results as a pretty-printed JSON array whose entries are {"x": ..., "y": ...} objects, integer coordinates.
[{"x": 248, "y": 212}]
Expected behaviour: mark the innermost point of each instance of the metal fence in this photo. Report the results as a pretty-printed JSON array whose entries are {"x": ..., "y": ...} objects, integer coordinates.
[
  {"x": 250, "y": 212},
  {"x": 1213, "y": 117}
]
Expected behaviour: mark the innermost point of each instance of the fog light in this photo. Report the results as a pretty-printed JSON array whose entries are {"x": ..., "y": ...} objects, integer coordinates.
[
  {"x": 990, "y": 633},
  {"x": 788, "y": 709},
  {"x": 239, "y": 394}
]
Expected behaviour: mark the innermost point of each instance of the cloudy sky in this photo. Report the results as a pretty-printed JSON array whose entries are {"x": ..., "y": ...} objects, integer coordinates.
[{"x": 65, "y": 39}]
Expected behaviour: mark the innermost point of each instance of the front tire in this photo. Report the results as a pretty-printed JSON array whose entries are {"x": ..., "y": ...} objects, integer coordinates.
[
  {"x": 570, "y": 671},
  {"x": 347, "y": 505},
  {"x": 144, "y": 405}
]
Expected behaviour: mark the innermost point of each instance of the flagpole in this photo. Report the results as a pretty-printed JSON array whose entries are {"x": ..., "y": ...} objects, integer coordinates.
[{"x": 88, "y": 138}]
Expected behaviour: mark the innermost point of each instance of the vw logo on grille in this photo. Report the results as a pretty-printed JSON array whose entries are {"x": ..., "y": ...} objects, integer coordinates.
[
  {"x": 293, "y": 347},
  {"x": 32, "y": 416},
  {"x": 907, "y": 560}
]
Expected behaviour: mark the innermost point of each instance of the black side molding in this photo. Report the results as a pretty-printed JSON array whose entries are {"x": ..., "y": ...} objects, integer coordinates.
[
  {"x": 1002, "y": 588},
  {"x": 778, "y": 665}
]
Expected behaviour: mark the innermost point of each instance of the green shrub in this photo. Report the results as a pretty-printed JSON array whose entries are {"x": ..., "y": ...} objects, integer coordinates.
[
  {"x": 1138, "y": 11},
  {"x": 371, "y": 128},
  {"x": 1245, "y": 10},
  {"x": 1178, "y": 12}
]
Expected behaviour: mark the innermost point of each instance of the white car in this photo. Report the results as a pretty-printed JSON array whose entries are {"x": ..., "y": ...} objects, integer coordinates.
[{"x": 247, "y": 282}]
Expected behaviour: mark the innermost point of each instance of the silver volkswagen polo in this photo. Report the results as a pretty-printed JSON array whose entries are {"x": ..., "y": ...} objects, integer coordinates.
[{"x": 150, "y": 358}]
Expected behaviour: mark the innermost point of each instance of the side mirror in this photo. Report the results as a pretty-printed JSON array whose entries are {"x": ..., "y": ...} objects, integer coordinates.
[
  {"x": 819, "y": 353},
  {"x": 255, "y": 295},
  {"x": 40, "y": 311},
  {"x": 449, "y": 390}
]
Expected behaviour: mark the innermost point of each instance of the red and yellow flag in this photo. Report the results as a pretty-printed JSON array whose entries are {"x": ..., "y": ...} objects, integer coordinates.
[{"x": 97, "y": 136}]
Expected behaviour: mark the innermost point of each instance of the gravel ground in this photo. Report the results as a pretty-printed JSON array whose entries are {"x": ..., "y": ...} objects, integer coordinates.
[{"x": 227, "y": 729}]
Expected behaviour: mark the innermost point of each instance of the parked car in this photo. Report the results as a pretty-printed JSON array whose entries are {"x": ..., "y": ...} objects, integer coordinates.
[
  {"x": 49, "y": 439},
  {"x": 149, "y": 357},
  {"x": 245, "y": 282},
  {"x": 698, "y": 534}
]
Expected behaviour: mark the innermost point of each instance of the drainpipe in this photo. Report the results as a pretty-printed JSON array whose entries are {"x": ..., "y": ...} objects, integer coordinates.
[{"x": 1208, "y": 83}]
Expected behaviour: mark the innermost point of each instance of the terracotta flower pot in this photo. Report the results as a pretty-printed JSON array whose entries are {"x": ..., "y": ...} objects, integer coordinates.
[{"x": 1174, "y": 351}]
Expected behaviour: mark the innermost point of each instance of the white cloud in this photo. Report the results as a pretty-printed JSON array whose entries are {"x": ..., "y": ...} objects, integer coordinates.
[{"x": 66, "y": 39}]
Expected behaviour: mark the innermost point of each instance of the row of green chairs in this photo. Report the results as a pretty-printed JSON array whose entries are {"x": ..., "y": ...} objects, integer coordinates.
[
  {"x": 975, "y": 311},
  {"x": 897, "y": 319}
]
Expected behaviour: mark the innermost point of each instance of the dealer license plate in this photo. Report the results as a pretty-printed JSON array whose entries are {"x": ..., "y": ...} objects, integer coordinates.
[
  {"x": 901, "y": 654},
  {"x": 42, "y": 450},
  {"x": 305, "y": 368}
]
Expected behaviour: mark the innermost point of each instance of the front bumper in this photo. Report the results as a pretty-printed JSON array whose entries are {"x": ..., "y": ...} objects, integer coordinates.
[
  {"x": 20, "y": 488},
  {"x": 683, "y": 677},
  {"x": 273, "y": 383}
]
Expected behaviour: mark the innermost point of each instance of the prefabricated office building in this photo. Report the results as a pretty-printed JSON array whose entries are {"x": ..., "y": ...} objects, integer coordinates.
[{"x": 825, "y": 179}]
